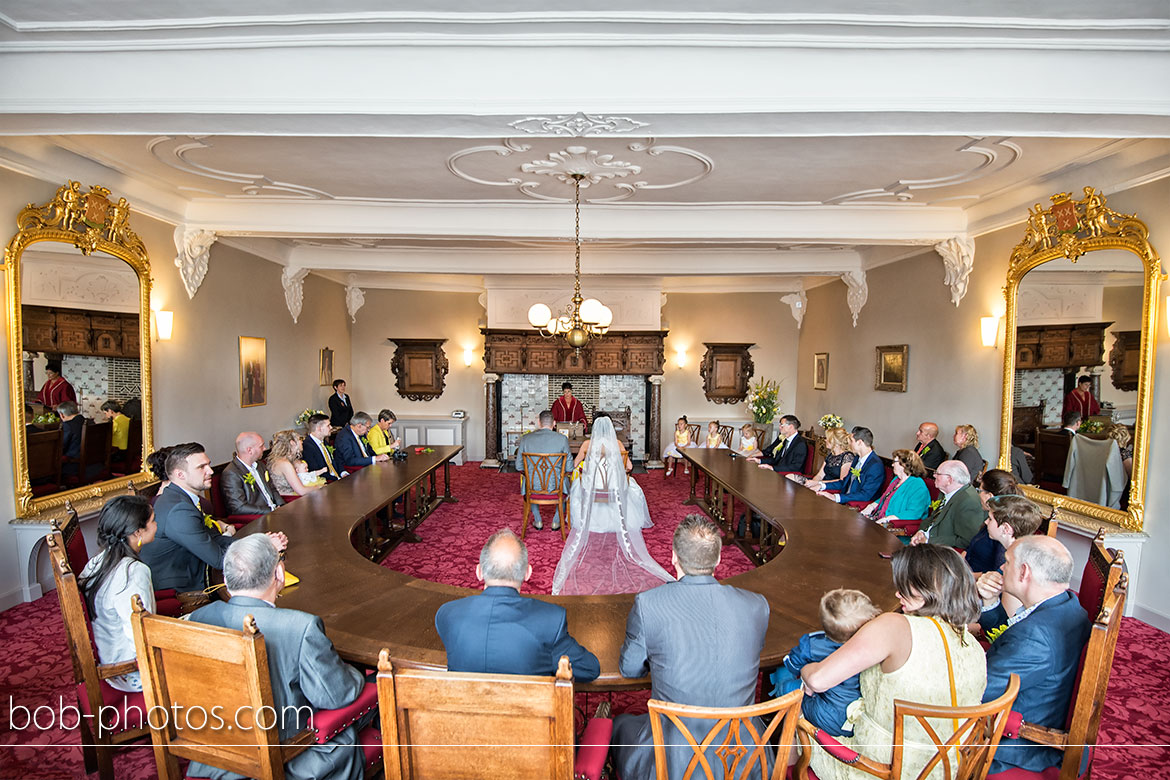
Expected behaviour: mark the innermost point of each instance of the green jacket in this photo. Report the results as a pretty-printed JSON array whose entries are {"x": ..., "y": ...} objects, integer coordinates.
[{"x": 956, "y": 522}]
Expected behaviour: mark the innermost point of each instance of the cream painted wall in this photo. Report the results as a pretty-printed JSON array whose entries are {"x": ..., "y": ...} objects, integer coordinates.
[
  {"x": 417, "y": 314},
  {"x": 196, "y": 391},
  {"x": 755, "y": 318},
  {"x": 1123, "y": 307}
]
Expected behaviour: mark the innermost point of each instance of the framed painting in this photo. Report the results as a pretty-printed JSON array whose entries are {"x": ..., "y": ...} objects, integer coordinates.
[
  {"x": 253, "y": 371},
  {"x": 821, "y": 371},
  {"x": 892, "y": 362},
  {"x": 326, "y": 367}
]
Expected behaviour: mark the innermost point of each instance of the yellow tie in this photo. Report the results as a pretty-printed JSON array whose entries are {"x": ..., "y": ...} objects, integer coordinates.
[{"x": 329, "y": 460}]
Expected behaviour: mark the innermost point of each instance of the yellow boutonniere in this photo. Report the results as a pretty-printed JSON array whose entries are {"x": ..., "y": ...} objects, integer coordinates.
[
  {"x": 924, "y": 450},
  {"x": 856, "y": 472},
  {"x": 993, "y": 634},
  {"x": 249, "y": 479},
  {"x": 213, "y": 524},
  {"x": 935, "y": 504}
]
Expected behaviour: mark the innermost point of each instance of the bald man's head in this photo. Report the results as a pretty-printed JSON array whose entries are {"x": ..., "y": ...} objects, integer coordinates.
[
  {"x": 927, "y": 432},
  {"x": 503, "y": 560},
  {"x": 249, "y": 447}
]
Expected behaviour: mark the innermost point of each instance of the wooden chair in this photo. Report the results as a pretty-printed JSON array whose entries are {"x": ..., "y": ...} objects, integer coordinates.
[
  {"x": 44, "y": 461},
  {"x": 439, "y": 725},
  {"x": 1104, "y": 584},
  {"x": 219, "y": 505},
  {"x": 964, "y": 755},
  {"x": 1051, "y": 457},
  {"x": 187, "y": 666},
  {"x": 122, "y": 713},
  {"x": 1026, "y": 420},
  {"x": 94, "y": 462},
  {"x": 694, "y": 429},
  {"x": 728, "y": 725},
  {"x": 70, "y": 529},
  {"x": 544, "y": 485},
  {"x": 725, "y": 433}
]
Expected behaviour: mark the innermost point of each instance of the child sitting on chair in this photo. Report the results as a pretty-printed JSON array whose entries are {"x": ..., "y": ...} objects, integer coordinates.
[
  {"x": 843, "y": 612},
  {"x": 748, "y": 446}
]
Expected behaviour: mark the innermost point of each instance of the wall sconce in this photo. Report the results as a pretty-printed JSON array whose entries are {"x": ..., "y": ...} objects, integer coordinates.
[
  {"x": 990, "y": 329},
  {"x": 1168, "y": 314},
  {"x": 468, "y": 357},
  {"x": 164, "y": 321},
  {"x": 680, "y": 358}
]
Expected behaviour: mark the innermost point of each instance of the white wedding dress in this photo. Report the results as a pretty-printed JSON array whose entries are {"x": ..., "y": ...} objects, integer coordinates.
[{"x": 605, "y": 552}]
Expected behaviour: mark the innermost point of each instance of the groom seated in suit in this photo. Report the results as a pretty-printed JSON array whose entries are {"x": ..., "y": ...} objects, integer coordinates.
[
  {"x": 306, "y": 672},
  {"x": 1042, "y": 643},
  {"x": 956, "y": 520},
  {"x": 544, "y": 441},
  {"x": 501, "y": 632},
  {"x": 317, "y": 454},
  {"x": 246, "y": 486},
  {"x": 699, "y": 641},
  {"x": 864, "y": 481},
  {"x": 787, "y": 454},
  {"x": 350, "y": 448}
]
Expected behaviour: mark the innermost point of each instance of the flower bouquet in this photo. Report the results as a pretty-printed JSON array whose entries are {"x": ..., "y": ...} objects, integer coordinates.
[
  {"x": 763, "y": 401},
  {"x": 303, "y": 418},
  {"x": 831, "y": 420},
  {"x": 48, "y": 418}
]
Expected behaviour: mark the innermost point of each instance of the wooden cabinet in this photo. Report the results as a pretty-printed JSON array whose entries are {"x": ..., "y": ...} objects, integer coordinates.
[
  {"x": 1125, "y": 358},
  {"x": 73, "y": 333},
  {"x": 79, "y": 332},
  {"x": 726, "y": 370},
  {"x": 1061, "y": 346},
  {"x": 617, "y": 353},
  {"x": 420, "y": 366}
]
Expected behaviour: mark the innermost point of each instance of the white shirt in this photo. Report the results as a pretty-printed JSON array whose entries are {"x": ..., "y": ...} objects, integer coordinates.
[{"x": 111, "y": 614}]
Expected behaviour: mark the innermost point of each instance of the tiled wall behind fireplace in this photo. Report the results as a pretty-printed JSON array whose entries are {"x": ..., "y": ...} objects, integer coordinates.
[
  {"x": 1042, "y": 384},
  {"x": 618, "y": 392},
  {"x": 99, "y": 379}
]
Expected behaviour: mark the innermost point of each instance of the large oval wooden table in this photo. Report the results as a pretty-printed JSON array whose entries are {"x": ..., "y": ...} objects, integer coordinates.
[{"x": 366, "y": 607}]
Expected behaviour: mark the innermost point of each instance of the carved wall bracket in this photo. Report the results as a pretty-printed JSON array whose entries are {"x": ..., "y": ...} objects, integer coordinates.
[
  {"x": 958, "y": 256},
  {"x": 857, "y": 293},
  {"x": 799, "y": 303},
  {"x": 355, "y": 298},
  {"x": 293, "y": 281},
  {"x": 194, "y": 247}
]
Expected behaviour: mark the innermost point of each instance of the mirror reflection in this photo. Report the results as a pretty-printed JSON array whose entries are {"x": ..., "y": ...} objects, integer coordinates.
[
  {"x": 1077, "y": 363},
  {"x": 81, "y": 367}
]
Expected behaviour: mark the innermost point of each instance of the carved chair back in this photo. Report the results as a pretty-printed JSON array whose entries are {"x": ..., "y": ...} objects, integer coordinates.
[
  {"x": 44, "y": 458},
  {"x": 544, "y": 483}
]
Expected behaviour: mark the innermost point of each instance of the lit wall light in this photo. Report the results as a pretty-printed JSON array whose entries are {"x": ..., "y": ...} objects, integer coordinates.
[
  {"x": 1168, "y": 314},
  {"x": 680, "y": 358},
  {"x": 468, "y": 357},
  {"x": 164, "y": 321},
  {"x": 990, "y": 329}
]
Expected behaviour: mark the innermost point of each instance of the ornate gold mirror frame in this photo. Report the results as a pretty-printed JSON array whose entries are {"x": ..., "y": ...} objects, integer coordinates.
[
  {"x": 1069, "y": 229},
  {"x": 92, "y": 223}
]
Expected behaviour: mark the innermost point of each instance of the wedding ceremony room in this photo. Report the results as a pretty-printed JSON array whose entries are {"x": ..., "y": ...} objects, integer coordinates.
[{"x": 580, "y": 390}]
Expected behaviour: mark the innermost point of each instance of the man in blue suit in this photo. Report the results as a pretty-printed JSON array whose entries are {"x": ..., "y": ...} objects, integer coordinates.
[
  {"x": 305, "y": 671},
  {"x": 864, "y": 481},
  {"x": 317, "y": 453},
  {"x": 501, "y": 632},
  {"x": 350, "y": 449},
  {"x": 1042, "y": 643}
]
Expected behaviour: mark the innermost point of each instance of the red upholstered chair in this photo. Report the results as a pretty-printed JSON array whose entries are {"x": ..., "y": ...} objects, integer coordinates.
[
  {"x": 219, "y": 506},
  {"x": 187, "y": 666},
  {"x": 121, "y": 712},
  {"x": 544, "y": 485},
  {"x": 859, "y": 505},
  {"x": 1104, "y": 584},
  {"x": 965, "y": 755}
]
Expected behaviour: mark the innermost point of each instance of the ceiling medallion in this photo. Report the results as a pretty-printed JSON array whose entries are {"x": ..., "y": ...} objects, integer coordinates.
[
  {"x": 576, "y": 125},
  {"x": 595, "y": 165}
]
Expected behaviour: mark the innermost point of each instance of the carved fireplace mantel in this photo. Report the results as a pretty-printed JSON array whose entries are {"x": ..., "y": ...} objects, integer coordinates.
[{"x": 618, "y": 353}]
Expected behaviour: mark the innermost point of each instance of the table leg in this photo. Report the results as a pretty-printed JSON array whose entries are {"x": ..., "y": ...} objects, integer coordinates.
[
  {"x": 447, "y": 483},
  {"x": 694, "y": 476}
]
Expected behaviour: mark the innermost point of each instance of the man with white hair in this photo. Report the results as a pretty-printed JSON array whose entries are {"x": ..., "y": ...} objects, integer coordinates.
[
  {"x": 957, "y": 515},
  {"x": 246, "y": 486},
  {"x": 306, "y": 672},
  {"x": 501, "y": 632},
  {"x": 1041, "y": 643}
]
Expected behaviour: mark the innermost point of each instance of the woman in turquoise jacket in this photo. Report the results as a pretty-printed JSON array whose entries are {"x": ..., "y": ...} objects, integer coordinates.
[{"x": 906, "y": 497}]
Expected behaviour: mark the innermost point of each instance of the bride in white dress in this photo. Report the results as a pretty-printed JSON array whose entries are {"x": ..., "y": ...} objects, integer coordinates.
[{"x": 605, "y": 552}]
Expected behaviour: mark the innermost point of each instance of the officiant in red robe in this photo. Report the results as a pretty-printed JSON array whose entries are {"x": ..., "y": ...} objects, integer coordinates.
[
  {"x": 567, "y": 408},
  {"x": 56, "y": 389}
]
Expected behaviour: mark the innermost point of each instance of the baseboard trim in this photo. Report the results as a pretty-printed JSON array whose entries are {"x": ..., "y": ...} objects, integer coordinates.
[
  {"x": 1155, "y": 618},
  {"x": 16, "y": 596}
]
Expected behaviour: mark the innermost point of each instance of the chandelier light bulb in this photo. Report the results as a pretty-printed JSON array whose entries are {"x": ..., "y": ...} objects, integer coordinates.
[
  {"x": 539, "y": 315},
  {"x": 591, "y": 310},
  {"x": 606, "y": 318}
]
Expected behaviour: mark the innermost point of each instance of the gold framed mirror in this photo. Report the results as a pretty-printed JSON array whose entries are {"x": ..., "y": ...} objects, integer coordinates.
[
  {"x": 85, "y": 308},
  {"x": 1042, "y": 263}
]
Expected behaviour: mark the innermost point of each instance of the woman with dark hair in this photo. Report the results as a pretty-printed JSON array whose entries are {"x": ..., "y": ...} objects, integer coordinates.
[
  {"x": 116, "y": 574},
  {"x": 923, "y": 655},
  {"x": 984, "y": 553}
]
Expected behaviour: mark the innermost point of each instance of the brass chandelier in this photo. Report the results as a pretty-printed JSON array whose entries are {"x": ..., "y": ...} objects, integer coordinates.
[{"x": 583, "y": 318}]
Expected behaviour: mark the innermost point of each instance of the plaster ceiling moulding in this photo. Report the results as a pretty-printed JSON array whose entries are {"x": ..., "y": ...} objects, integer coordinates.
[
  {"x": 993, "y": 155},
  {"x": 176, "y": 152},
  {"x": 601, "y": 169},
  {"x": 958, "y": 256},
  {"x": 577, "y": 125},
  {"x": 194, "y": 247},
  {"x": 293, "y": 281}
]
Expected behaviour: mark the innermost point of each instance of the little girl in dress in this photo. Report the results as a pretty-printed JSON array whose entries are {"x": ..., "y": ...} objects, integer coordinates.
[
  {"x": 748, "y": 447},
  {"x": 714, "y": 440},
  {"x": 682, "y": 438}
]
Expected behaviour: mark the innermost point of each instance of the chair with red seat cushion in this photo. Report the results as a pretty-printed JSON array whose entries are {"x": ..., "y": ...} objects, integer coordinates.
[
  {"x": 544, "y": 485},
  {"x": 859, "y": 505},
  {"x": 964, "y": 754},
  {"x": 219, "y": 505},
  {"x": 93, "y": 692}
]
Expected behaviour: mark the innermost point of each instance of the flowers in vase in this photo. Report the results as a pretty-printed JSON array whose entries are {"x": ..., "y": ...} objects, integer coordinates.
[
  {"x": 303, "y": 418},
  {"x": 764, "y": 400},
  {"x": 831, "y": 420}
]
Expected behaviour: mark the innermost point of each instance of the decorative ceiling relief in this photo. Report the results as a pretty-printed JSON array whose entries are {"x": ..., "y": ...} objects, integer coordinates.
[
  {"x": 602, "y": 170},
  {"x": 194, "y": 247},
  {"x": 176, "y": 152},
  {"x": 857, "y": 293},
  {"x": 1057, "y": 303},
  {"x": 993, "y": 155},
  {"x": 576, "y": 125},
  {"x": 293, "y": 281},
  {"x": 798, "y": 301},
  {"x": 355, "y": 298},
  {"x": 958, "y": 256},
  {"x": 107, "y": 284}
]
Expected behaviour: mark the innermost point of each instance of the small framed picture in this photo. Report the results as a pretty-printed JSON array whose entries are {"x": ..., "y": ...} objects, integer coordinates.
[
  {"x": 326, "y": 367},
  {"x": 821, "y": 371},
  {"x": 892, "y": 363},
  {"x": 253, "y": 371}
]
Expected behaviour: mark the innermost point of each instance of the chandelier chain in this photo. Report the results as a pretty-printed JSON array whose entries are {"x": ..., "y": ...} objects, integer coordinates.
[{"x": 577, "y": 234}]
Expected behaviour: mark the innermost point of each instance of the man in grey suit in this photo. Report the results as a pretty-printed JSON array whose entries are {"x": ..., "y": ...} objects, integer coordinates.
[
  {"x": 246, "y": 486},
  {"x": 699, "y": 641},
  {"x": 543, "y": 441},
  {"x": 306, "y": 672}
]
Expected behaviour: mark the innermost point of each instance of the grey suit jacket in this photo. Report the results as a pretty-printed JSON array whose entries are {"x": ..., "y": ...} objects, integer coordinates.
[
  {"x": 700, "y": 642},
  {"x": 306, "y": 672},
  {"x": 242, "y": 498},
  {"x": 183, "y": 547},
  {"x": 543, "y": 441}
]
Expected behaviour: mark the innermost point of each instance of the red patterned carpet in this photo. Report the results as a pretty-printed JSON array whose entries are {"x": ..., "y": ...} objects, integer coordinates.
[{"x": 35, "y": 669}]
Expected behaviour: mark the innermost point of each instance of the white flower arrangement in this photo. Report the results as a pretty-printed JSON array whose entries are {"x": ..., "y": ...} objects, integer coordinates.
[
  {"x": 303, "y": 417},
  {"x": 763, "y": 401},
  {"x": 831, "y": 420}
]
